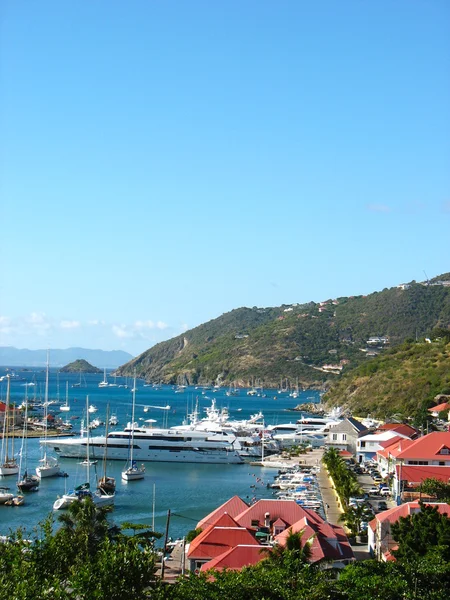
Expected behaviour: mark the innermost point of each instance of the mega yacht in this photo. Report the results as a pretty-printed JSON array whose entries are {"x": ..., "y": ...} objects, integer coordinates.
[{"x": 154, "y": 445}]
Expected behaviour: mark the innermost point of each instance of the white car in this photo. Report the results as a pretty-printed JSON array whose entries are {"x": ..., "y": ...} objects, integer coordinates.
[{"x": 385, "y": 491}]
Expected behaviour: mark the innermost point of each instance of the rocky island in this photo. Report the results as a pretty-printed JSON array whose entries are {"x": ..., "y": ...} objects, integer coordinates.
[{"x": 80, "y": 366}]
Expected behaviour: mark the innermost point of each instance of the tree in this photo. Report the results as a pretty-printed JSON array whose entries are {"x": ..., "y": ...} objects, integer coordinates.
[
  {"x": 437, "y": 488},
  {"x": 294, "y": 548},
  {"x": 418, "y": 533},
  {"x": 354, "y": 515}
]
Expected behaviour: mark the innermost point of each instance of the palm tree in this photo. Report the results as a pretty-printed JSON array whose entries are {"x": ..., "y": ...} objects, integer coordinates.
[
  {"x": 353, "y": 517},
  {"x": 293, "y": 548},
  {"x": 86, "y": 525}
]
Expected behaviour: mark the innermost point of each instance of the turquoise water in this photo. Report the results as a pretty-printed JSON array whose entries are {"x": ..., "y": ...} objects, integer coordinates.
[{"x": 190, "y": 491}]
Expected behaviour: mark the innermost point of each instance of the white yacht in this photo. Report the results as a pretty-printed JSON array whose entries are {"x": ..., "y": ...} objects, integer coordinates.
[{"x": 155, "y": 445}]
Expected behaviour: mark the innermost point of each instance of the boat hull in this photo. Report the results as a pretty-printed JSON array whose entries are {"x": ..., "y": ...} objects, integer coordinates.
[
  {"x": 43, "y": 472},
  {"x": 151, "y": 448},
  {"x": 9, "y": 470}
]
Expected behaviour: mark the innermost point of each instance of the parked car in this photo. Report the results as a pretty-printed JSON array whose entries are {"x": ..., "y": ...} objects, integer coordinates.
[
  {"x": 385, "y": 491},
  {"x": 382, "y": 505},
  {"x": 374, "y": 491},
  {"x": 377, "y": 478}
]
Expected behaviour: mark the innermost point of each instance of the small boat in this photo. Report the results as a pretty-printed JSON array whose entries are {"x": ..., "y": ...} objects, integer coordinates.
[
  {"x": 104, "y": 383},
  {"x": 83, "y": 491},
  {"x": 5, "y": 495},
  {"x": 8, "y": 465},
  {"x": 113, "y": 420},
  {"x": 88, "y": 463},
  {"x": 105, "y": 483},
  {"x": 132, "y": 472},
  {"x": 92, "y": 408},
  {"x": 49, "y": 465},
  {"x": 28, "y": 483},
  {"x": 65, "y": 407}
]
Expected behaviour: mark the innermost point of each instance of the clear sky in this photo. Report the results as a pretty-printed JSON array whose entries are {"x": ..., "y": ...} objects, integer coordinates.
[{"x": 163, "y": 162}]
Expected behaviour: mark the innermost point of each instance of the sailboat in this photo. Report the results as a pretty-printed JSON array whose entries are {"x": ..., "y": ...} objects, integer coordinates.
[
  {"x": 132, "y": 471},
  {"x": 28, "y": 482},
  {"x": 8, "y": 465},
  {"x": 104, "y": 383},
  {"x": 65, "y": 407},
  {"x": 99, "y": 497},
  {"x": 49, "y": 465},
  {"x": 105, "y": 483}
]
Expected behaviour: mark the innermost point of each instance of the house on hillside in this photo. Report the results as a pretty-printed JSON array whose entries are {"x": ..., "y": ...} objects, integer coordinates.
[
  {"x": 437, "y": 410},
  {"x": 380, "y": 540},
  {"x": 345, "y": 434},
  {"x": 237, "y": 540}
]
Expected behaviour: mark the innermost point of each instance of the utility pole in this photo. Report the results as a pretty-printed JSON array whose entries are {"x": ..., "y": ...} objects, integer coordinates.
[{"x": 166, "y": 538}]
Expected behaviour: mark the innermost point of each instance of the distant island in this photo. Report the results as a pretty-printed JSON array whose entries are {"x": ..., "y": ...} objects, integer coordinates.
[
  {"x": 15, "y": 357},
  {"x": 80, "y": 366}
]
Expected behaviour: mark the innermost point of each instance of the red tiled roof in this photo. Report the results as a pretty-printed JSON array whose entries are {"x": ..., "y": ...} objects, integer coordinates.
[
  {"x": 426, "y": 447},
  {"x": 345, "y": 453},
  {"x": 401, "y": 428},
  {"x": 288, "y": 510},
  {"x": 237, "y": 558},
  {"x": 417, "y": 473},
  {"x": 394, "y": 446},
  {"x": 327, "y": 541},
  {"x": 440, "y": 407},
  {"x": 404, "y": 510},
  {"x": 234, "y": 506},
  {"x": 213, "y": 542}
]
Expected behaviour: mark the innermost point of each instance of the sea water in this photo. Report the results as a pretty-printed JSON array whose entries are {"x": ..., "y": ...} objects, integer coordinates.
[{"x": 190, "y": 491}]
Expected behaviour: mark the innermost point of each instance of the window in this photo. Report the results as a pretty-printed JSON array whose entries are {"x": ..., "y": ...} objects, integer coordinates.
[
  {"x": 334, "y": 437},
  {"x": 255, "y": 523},
  {"x": 344, "y": 437}
]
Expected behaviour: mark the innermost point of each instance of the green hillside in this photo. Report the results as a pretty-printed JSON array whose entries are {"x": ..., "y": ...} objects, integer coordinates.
[
  {"x": 313, "y": 342},
  {"x": 403, "y": 381},
  {"x": 80, "y": 366}
]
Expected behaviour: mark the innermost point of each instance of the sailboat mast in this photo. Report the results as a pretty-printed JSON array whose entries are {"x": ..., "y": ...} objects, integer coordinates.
[
  {"x": 106, "y": 441},
  {"x": 24, "y": 437},
  {"x": 6, "y": 434},
  {"x": 87, "y": 439},
  {"x": 132, "y": 419},
  {"x": 46, "y": 408}
]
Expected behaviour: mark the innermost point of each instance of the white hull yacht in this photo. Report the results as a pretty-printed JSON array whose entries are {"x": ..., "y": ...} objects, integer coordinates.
[{"x": 154, "y": 445}]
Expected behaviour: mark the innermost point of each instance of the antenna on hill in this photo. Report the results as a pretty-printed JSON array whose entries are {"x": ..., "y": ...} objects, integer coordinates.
[{"x": 428, "y": 281}]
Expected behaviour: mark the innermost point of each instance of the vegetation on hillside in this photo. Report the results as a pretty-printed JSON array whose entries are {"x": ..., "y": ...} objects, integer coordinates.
[
  {"x": 80, "y": 366},
  {"x": 299, "y": 341},
  {"x": 403, "y": 381}
]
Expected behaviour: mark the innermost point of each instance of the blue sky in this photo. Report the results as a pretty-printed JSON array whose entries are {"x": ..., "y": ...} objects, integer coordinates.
[{"x": 164, "y": 162}]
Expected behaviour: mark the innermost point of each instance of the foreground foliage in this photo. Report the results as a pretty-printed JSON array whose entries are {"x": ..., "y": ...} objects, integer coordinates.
[{"x": 88, "y": 559}]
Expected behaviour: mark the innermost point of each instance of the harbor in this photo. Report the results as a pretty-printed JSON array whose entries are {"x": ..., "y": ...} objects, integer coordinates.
[{"x": 189, "y": 490}]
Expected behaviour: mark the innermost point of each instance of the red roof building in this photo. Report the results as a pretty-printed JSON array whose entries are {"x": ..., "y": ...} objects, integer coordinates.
[
  {"x": 238, "y": 557},
  {"x": 380, "y": 541},
  {"x": 234, "y": 506},
  {"x": 426, "y": 457},
  {"x": 435, "y": 410},
  {"x": 400, "y": 429},
  {"x": 265, "y": 523},
  {"x": 216, "y": 539}
]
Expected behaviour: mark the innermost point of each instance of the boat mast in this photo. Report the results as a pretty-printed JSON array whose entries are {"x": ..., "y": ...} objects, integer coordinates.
[
  {"x": 132, "y": 420},
  {"x": 106, "y": 442},
  {"x": 87, "y": 440},
  {"x": 46, "y": 411}
]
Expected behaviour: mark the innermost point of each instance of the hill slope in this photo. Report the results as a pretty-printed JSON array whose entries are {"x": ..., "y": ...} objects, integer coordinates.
[
  {"x": 401, "y": 381},
  {"x": 312, "y": 342}
]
